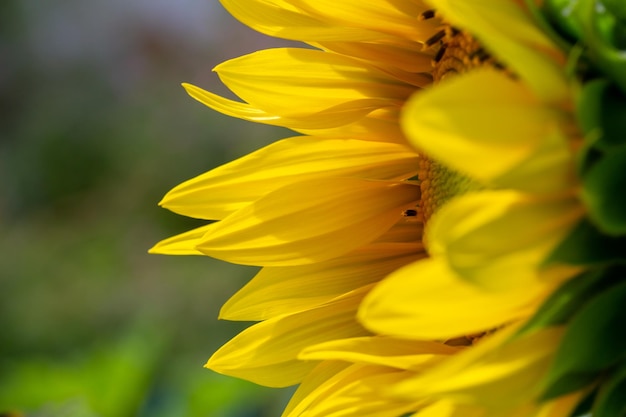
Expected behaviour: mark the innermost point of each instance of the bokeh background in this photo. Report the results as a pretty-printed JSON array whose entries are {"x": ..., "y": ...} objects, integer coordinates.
[{"x": 94, "y": 130}]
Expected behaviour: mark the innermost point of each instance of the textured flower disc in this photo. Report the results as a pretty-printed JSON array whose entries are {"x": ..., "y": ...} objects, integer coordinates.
[{"x": 460, "y": 174}]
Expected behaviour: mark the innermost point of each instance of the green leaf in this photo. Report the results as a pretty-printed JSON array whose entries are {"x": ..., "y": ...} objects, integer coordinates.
[
  {"x": 604, "y": 193},
  {"x": 601, "y": 109},
  {"x": 594, "y": 341},
  {"x": 543, "y": 18},
  {"x": 568, "y": 383},
  {"x": 611, "y": 400},
  {"x": 559, "y": 12},
  {"x": 568, "y": 299},
  {"x": 583, "y": 409},
  {"x": 602, "y": 34},
  {"x": 587, "y": 246},
  {"x": 601, "y": 114},
  {"x": 617, "y": 8}
]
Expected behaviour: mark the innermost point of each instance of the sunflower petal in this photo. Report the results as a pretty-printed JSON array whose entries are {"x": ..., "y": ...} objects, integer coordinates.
[
  {"x": 320, "y": 375},
  {"x": 329, "y": 118},
  {"x": 228, "y": 188},
  {"x": 495, "y": 373},
  {"x": 508, "y": 31},
  {"x": 379, "y": 350},
  {"x": 411, "y": 57},
  {"x": 380, "y": 125},
  {"x": 289, "y": 289},
  {"x": 408, "y": 303},
  {"x": 548, "y": 170},
  {"x": 354, "y": 388},
  {"x": 481, "y": 132},
  {"x": 384, "y": 16},
  {"x": 266, "y": 353},
  {"x": 473, "y": 232},
  {"x": 182, "y": 244},
  {"x": 295, "y": 83},
  {"x": 310, "y": 221},
  {"x": 280, "y": 19}
]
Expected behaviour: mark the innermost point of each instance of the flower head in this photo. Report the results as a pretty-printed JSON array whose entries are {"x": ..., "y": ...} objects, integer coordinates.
[{"x": 429, "y": 240}]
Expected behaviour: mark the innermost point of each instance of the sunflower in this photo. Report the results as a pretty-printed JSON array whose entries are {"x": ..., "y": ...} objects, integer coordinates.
[{"x": 446, "y": 233}]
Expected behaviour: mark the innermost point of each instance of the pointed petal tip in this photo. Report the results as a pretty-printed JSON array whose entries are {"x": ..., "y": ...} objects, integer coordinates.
[
  {"x": 189, "y": 88},
  {"x": 155, "y": 250}
]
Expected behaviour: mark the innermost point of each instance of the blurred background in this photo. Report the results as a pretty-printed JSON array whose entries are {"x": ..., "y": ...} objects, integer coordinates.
[{"x": 94, "y": 130}]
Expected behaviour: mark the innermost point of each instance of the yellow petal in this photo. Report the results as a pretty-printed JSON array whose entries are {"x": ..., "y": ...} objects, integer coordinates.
[
  {"x": 299, "y": 83},
  {"x": 325, "y": 119},
  {"x": 550, "y": 169},
  {"x": 230, "y": 187},
  {"x": 397, "y": 353},
  {"x": 321, "y": 374},
  {"x": 498, "y": 239},
  {"x": 289, "y": 289},
  {"x": 447, "y": 408},
  {"x": 561, "y": 407},
  {"x": 355, "y": 390},
  {"x": 266, "y": 353},
  {"x": 182, "y": 244},
  {"x": 481, "y": 132},
  {"x": 496, "y": 372},
  {"x": 509, "y": 32},
  {"x": 426, "y": 300},
  {"x": 385, "y": 16},
  {"x": 407, "y": 230},
  {"x": 380, "y": 125},
  {"x": 410, "y": 57},
  {"x": 280, "y": 19},
  {"x": 310, "y": 221}
]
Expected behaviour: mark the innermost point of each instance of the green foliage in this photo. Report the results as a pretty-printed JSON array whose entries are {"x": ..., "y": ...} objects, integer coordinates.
[
  {"x": 110, "y": 380},
  {"x": 594, "y": 341},
  {"x": 598, "y": 26},
  {"x": 588, "y": 246},
  {"x": 610, "y": 401},
  {"x": 601, "y": 108},
  {"x": 602, "y": 115},
  {"x": 567, "y": 300},
  {"x": 603, "y": 193}
]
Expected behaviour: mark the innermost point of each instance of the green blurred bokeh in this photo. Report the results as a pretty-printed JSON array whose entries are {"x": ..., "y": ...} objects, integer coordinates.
[{"x": 94, "y": 130}]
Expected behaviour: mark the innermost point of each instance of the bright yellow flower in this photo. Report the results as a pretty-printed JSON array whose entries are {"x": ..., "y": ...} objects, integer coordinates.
[{"x": 421, "y": 242}]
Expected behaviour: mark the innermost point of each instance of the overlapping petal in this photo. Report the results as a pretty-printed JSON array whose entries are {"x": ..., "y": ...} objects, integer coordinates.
[
  {"x": 286, "y": 290},
  {"x": 305, "y": 89},
  {"x": 294, "y": 82},
  {"x": 226, "y": 189},
  {"x": 481, "y": 132},
  {"x": 380, "y": 350},
  {"x": 267, "y": 352},
  {"x": 485, "y": 237},
  {"x": 496, "y": 373},
  {"x": 281, "y": 19},
  {"x": 507, "y": 31},
  {"x": 384, "y": 16},
  {"x": 353, "y": 390},
  {"x": 310, "y": 221},
  {"x": 182, "y": 244},
  {"x": 408, "y": 303}
]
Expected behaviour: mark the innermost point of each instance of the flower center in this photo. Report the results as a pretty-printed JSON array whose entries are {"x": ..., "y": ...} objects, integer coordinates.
[
  {"x": 438, "y": 184},
  {"x": 457, "y": 52}
]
